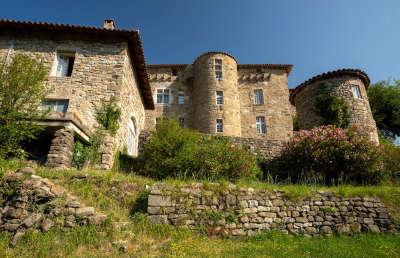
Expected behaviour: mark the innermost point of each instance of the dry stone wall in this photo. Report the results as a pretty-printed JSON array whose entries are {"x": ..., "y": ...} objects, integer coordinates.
[
  {"x": 35, "y": 203},
  {"x": 237, "y": 211}
]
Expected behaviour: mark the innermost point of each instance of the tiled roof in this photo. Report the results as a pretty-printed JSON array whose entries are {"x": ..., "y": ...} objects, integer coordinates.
[
  {"x": 131, "y": 36},
  {"x": 341, "y": 72}
]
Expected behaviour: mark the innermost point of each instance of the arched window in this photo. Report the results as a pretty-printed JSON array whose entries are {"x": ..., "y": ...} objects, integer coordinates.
[{"x": 132, "y": 137}]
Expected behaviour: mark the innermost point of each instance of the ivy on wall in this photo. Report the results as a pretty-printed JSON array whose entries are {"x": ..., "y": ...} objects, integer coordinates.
[{"x": 332, "y": 109}]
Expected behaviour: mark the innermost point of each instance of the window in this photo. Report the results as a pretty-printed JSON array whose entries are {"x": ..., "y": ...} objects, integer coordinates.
[
  {"x": 162, "y": 96},
  {"x": 174, "y": 72},
  {"x": 219, "y": 126},
  {"x": 181, "y": 98},
  {"x": 58, "y": 105},
  {"x": 258, "y": 97},
  {"x": 132, "y": 136},
  {"x": 220, "y": 97},
  {"x": 64, "y": 64},
  {"x": 260, "y": 124},
  {"x": 356, "y": 91},
  {"x": 218, "y": 68},
  {"x": 182, "y": 122}
]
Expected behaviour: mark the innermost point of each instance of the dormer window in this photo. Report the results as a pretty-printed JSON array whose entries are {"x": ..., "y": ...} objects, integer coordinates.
[
  {"x": 218, "y": 68},
  {"x": 64, "y": 64}
]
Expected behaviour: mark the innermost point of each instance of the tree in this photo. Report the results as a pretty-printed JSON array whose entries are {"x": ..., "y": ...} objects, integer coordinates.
[
  {"x": 21, "y": 92},
  {"x": 384, "y": 98}
]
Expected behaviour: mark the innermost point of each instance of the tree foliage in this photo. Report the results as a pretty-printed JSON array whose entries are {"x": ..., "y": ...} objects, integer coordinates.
[
  {"x": 21, "y": 92},
  {"x": 384, "y": 98}
]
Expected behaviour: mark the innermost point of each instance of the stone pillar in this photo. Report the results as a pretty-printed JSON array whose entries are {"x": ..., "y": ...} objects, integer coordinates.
[
  {"x": 107, "y": 151},
  {"x": 61, "y": 149}
]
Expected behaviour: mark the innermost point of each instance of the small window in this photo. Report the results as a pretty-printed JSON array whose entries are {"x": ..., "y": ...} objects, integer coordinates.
[
  {"x": 64, "y": 64},
  {"x": 219, "y": 126},
  {"x": 220, "y": 97},
  {"x": 162, "y": 96},
  {"x": 260, "y": 124},
  {"x": 58, "y": 105},
  {"x": 218, "y": 68},
  {"x": 356, "y": 91},
  {"x": 258, "y": 97},
  {"x": 182, "y": 122},
  {"x": 181, "y": 98},
  {"x": 174, "y": 72}
]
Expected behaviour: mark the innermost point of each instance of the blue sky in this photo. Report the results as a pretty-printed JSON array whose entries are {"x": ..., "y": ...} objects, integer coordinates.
[{"x": 313, "y": 35}]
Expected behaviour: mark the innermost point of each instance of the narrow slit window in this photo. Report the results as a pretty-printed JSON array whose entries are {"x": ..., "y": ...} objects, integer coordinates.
[
  {"x": 219, "y": 97},
  {"x": 258, "y": 97},
  {"x": 218, "y": 68},
  {"x": 219, "y": 126},
  {"x": 260, "y": 124}
]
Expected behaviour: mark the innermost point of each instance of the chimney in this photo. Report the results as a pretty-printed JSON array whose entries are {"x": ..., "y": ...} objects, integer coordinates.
[{"x": 109, "y": 24}]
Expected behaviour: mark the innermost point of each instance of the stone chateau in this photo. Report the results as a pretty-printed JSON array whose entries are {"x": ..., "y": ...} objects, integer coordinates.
[{"x": 215, "y": 94}]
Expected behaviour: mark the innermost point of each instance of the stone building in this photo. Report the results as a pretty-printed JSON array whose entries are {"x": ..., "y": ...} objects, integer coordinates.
[
  {"x": 215, "y": 94},
  {"x": 87, "y": 67},
  {"x": 349, "y": 84}
]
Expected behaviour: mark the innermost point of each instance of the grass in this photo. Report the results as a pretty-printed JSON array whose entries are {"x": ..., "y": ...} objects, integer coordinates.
[{"x": 119, "y": 196}]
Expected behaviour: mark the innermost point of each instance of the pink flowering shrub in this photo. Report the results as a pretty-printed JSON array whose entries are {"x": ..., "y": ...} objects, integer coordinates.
[{"x": 328, "y": 155}]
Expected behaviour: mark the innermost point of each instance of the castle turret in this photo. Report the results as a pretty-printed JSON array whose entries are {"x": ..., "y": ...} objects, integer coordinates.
[
  {"x": 351, "y": 85},
  {"x": 216, "y": 104}
]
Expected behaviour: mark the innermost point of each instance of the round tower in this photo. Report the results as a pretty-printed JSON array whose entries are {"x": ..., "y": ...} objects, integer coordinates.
[
  {"x": 216, "y": 105},
  {"x": 351, "y": 85}
]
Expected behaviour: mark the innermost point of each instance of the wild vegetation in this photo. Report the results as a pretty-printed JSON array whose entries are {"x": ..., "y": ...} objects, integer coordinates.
[
  {"x": 181, "y": 153},
  {"x": 22, "y": 91}
]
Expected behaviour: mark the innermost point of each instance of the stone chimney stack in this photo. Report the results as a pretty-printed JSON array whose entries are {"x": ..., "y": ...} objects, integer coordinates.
[{"x": 109, "y": 24}]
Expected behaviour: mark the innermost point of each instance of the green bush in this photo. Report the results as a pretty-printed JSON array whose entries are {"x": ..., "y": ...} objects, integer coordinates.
[
  {"x": 180, "y": 153},
  {"x": 21, "y": 93},
  {"x": 108, "y": 116},
  {"x": 328, "y": 155},
  {"x": 391, "y": 159}
]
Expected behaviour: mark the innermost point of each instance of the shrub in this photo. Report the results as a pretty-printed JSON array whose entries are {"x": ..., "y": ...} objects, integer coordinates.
[
  {"x": 180, "y": 153},
  {"x": 328, "y": 155},
  {"x": 391, "y": 158},
  {"x": 108, "y": 116},
  {"x": 21, "y": 93}
]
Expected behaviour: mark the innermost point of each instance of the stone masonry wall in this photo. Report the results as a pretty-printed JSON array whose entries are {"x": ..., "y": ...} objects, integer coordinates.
[
  {"x": 229, "y": 210},
  {"x": 276, "y": 106},
  {"x": 61, "y": 149}
]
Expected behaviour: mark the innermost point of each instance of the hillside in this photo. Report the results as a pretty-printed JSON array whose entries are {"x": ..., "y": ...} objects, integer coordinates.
[{"x": 127, "y": 232}]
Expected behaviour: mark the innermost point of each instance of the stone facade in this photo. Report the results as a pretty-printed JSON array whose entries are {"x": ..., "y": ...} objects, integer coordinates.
[
  {"x": 61, "y": 149},
  {"x": 199, "y": 85},
  {"x": 230, "y": 210},
  {"x": 339, "y": 83},
  {"x": 102, "y": 70}
]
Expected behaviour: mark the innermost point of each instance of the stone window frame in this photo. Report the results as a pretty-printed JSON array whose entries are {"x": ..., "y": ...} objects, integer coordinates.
[
  {"x": 163, "y": 96},
  {"x": 260, "y": 125},
  {"x": 54, "y": 105},
  {"x": 181, "y": 98},
  {"x": 258, "y": 99},
  {"x": 219, "y": 97},
  {"x": 66, "y": 56},
  {"x": 219, "y": 125},
  {"x": 218, "y": 69},
  {"x": 355, "y": 89}
]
